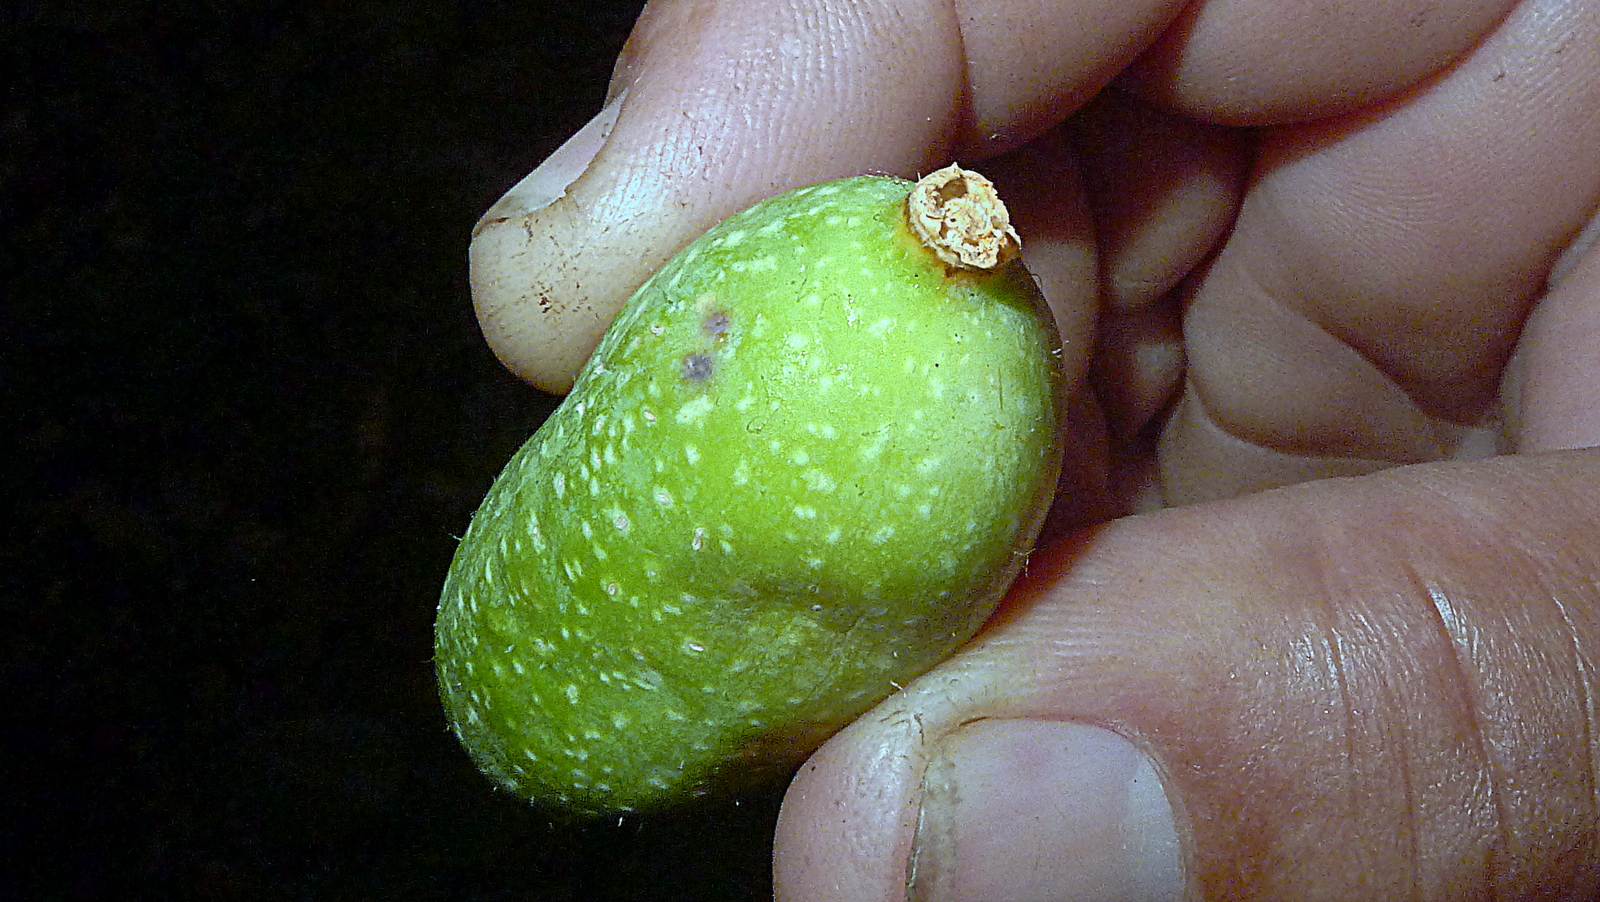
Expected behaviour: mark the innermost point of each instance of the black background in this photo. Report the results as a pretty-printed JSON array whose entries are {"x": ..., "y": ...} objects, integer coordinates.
[{"x": 249, "y": 410}]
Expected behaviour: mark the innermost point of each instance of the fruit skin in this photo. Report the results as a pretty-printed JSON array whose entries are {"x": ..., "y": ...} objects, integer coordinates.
[{"x": 801, "y": 467}]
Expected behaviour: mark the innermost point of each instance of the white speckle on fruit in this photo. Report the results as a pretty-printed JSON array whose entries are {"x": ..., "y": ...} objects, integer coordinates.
[
  {"x": 833, "y": 536},
  {"x": 586, "y": 529},
  {"x": 695, "y": 410},
  {"x": 741, "y": 472},
  {"x": 612, "y": 589},
  {"x": 925, "y": 510},
  {"x": 873, "y": 449},
  {"x": 693, "y": 646},
  {"x": 649, "y": 417},
  {"x": 699, "y": 538},
  {"x": 768, "y": 263},
  {"x": 819, "y": 481},
  {"x": 663, "y": 497},
  {"x": 805, "y": 512},
  {"x": 902, "y": 490},
  {"x": 560, "y": 485},
  {"x": 691, "y": 453},
  {"x": 621, "y": 522},
  {"x": 881, "y": 535},
  {"x": 800, "y": 458},
  {"x": 572, "y": 693}
]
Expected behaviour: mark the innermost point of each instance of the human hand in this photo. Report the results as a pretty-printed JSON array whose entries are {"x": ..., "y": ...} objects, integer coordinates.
[{"x": 1284, "y": 244}]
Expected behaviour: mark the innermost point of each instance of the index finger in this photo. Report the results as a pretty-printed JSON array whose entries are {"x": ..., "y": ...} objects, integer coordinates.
[{"x": 719, "y": 104}]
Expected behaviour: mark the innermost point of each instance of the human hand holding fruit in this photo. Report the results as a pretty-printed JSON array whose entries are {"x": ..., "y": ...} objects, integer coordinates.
[
  {"x": 1350, "y": 304},
  {"x": 801, "y": 468}
]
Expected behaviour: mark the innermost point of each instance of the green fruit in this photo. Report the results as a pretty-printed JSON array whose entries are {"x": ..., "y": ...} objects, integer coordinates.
[{"x": 802, "y": 466}]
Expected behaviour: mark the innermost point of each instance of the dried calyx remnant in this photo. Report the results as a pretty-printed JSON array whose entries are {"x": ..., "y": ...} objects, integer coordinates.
[{"x": 959, "y": 216}]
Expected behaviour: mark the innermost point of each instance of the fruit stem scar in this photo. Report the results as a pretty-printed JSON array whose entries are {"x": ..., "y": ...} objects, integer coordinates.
[{"x": 958, "y": 215}]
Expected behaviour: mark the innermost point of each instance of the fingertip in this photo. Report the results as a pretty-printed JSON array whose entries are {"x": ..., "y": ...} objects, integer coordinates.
[
  {"x": 847, "y": 822},
  {"x": 726, "y": 104},
  {"x": 532, "y": 311}
]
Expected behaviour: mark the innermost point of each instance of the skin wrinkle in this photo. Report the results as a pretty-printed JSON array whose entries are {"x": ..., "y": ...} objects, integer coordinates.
[
  {"x": 1412, "y": 828},
  {"x": 1586, "y": 679},
  {"x": 1337, "y": 627},
  {"x": 1457, "y": 634}
]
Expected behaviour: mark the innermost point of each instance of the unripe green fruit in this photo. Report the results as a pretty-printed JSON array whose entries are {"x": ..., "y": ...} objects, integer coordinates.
[{"x": 802, "y": 466}]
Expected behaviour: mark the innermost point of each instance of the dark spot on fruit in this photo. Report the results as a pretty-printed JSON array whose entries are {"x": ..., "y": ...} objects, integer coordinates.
[
  {"x": 717, "y": 323},
  {"x": 697, "y": 367}
]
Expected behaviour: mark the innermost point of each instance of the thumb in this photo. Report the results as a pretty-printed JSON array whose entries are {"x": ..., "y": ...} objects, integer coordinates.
[{"x": 1370, "y": 688}]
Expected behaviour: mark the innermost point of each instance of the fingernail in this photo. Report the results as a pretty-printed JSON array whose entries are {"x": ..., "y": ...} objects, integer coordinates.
[
  {"x": 548, "y": 182},
  {"x": 1030, "y": 811}
]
